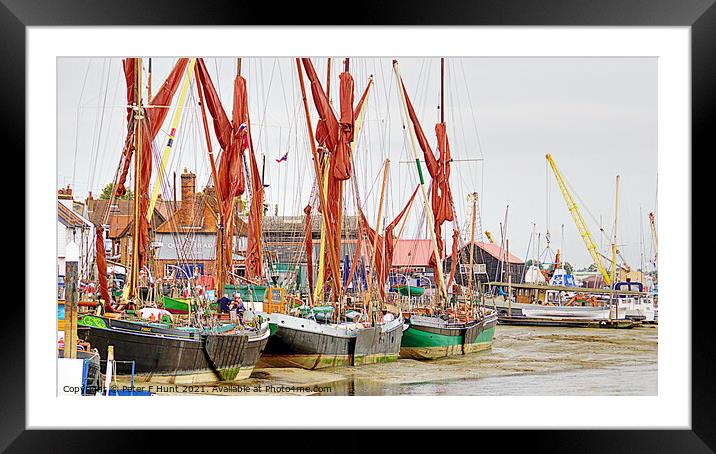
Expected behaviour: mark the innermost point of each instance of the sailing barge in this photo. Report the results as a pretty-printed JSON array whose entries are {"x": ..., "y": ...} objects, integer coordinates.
[
  {"x": 183, "y": 355},
  {"x": 323, "y": 336},
  {"x": 198, "y": 348},
  {"x": 432, "y": 337},
  {"x": 306, "y": 343},
  {"x": 441, "y": 328}
]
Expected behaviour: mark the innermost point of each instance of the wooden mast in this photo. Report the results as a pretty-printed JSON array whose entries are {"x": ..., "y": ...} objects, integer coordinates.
[
  {"x": 339, "y": 224},
  {"x": 377, "y": 232},
  {"x": 472, "y": 242},
  {"x": 614, "y": 239},
  {"x": 139, "y": 115},
  {"x": 219, "y": 267},
  {"x": 328, "y": 81},
  {"x": 612, "y": 276},
  {"x": 149, "y": 80},
  {"x": 442, "y": 90}
]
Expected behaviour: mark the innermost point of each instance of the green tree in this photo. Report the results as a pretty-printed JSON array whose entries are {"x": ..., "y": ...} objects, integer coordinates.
[{"x": 107, "y": 193}]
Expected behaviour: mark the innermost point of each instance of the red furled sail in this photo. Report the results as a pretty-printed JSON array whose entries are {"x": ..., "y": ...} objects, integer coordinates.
[
  {"x": 150, "y": 124},
  {"x": 254, "y": 260},
  {"x": 102, "y": 269},
  {"x": 235, "y": 139},
  {"x": 341, "y": 159},
  {"x": 154, "y": 117},
  {"x": 439, "y": 169},
  {"x": 231, "y": 176},
  {"x": 327, "y": 126},
  {"x": 336, "y": 134}
]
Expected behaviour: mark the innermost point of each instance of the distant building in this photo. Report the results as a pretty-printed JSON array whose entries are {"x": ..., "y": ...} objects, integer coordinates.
[
  {"x": 490, "y": 263},
  {"x": 284, "y": 246},
  {"x": 187, "y": 238},
  {"x": 411, "y": 261},
  {"x": 73, "y": 226},
  {"x": 116, "y": 216}
]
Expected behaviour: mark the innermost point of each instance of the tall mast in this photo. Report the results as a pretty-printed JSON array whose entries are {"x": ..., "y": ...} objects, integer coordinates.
[
  {"x": 440, "y": 281},
  {"x": 328, "y": 80},
  {"x": 221, "y": 216},
  {"x": 472, "y": 241},
  {"x": 614, "y": 239},
  {"x": 139, "y": 115},
  {"x": 149, "y": 80},
  {"x": 377, "y": 227},
  {"x": 339, "y": 224},
  {"x": 442, "y": 90},
  {"x": 641, "y": 242}
]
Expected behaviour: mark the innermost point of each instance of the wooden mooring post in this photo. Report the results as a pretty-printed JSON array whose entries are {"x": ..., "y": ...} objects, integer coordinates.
[{"x": 72, "y": 258}]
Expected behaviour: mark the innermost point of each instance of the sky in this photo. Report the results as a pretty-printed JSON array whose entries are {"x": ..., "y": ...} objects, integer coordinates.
[{"x": 596, "y": 116}]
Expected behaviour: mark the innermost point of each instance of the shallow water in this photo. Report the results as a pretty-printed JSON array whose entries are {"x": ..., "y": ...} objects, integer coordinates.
[{"x": 614, "y": 381}]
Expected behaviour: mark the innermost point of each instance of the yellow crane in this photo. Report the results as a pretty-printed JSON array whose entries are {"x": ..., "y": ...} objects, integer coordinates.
[{"x": 579, "y": 222}]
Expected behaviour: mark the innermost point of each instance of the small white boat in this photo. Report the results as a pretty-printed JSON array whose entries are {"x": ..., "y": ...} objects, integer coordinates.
[
  {"x": 580, "y": 312},
  {"x": 635, "y": 307}
]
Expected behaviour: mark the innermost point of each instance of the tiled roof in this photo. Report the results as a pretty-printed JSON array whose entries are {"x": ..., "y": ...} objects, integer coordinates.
[
  {"x": 118, "y": 225},
  {"x": 101, "y": 207},
  {"x": 69, "y": 218},
  {"x": 102, "y": 210},
  {"x": 412, "y": 252},
  {"x": 495, "y": 251},
  {"x": 204, "y": 221}
]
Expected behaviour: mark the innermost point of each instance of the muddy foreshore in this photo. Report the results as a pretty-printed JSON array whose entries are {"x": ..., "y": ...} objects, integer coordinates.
[{"x": 517, "y": 350}]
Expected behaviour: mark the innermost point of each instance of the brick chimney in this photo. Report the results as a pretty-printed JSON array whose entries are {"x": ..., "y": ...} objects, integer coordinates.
[
  {"x": 65, "y": 194},
  {"x": 89, "y": 201},
  {"x": 188, "y": 190}
]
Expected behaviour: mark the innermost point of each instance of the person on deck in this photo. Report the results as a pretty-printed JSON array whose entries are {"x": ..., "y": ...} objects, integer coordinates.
[
  {"x": 240, "y": 308},
  {"x": 224, "y": 304},
  {"x": 143, "y": 286},
  {"x": 232, "y": 312}
]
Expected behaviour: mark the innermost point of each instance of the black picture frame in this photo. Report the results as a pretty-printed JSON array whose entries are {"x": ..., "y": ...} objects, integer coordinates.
[{"x": 16, "y": 15}]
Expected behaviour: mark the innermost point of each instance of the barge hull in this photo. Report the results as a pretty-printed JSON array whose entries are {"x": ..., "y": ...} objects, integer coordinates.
[
  {"x": 373, "y": 345},
  {"x": 289, "y": 347},
  {"x": 428, "y": 342}
]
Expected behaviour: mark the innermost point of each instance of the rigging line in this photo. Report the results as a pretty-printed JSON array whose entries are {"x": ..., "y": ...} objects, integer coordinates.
[
  {"x": 111, "y": 124},
  {"x": 288, "y": 142},
  {"x": 266, "y": 95},
  {"x": 101, "y": 126},
  {"x": 77, "y": 120},
  {"x": 94, "y": 145},
  {"x": 472, "y": 111}
]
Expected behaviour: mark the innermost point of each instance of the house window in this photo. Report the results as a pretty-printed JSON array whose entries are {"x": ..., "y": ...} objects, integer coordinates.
[{"x": 239, "y": 270}]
